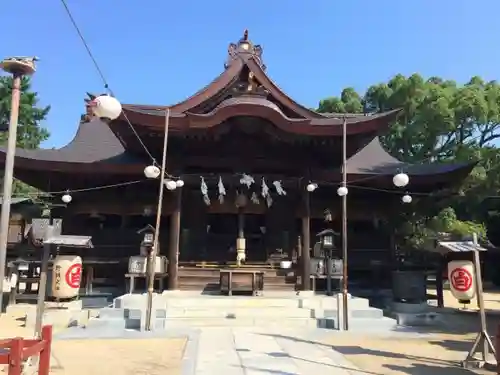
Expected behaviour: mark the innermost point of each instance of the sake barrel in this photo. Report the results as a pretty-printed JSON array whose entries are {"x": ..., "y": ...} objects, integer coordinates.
[
  {"x": 66, "y": 276},
  {"x": 138, "y": 264},
  {"x": 462, "y": 279}
]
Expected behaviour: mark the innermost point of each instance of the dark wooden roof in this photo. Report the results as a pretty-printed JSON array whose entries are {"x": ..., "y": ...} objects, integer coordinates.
[
  {"x": 373, "y": 159},
  {"x": 245, "y": 89},
  {"x": 94, "y": 148},
  {"x": 98, "y": 147},
  {"x": 252, "y": 106}
]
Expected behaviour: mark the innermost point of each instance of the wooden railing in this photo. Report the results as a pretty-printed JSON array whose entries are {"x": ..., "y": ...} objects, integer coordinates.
[{"x": 13, "y": 352}]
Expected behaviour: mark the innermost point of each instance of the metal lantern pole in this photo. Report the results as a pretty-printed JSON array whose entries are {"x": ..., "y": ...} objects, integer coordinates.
[
  {"x": 152, "y": 253},
  {"x": 18, "y": 67},
  {"x": 344, "y": 228}
]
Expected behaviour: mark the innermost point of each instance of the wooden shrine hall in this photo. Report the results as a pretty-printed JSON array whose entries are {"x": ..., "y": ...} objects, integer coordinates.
[{"x": 245, "y": 152}]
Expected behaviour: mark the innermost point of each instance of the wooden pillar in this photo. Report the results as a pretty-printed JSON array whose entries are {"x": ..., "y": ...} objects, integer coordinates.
[
  {"x": 174, "y": 236},
  {"x": 441, "y": 268},
  {"x": 306, "y": 245}
]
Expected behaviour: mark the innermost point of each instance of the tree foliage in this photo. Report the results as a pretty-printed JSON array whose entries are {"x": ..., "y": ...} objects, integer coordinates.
[
  {"x": 30, "y": 132},
  {"x": 440, "y": 121}
]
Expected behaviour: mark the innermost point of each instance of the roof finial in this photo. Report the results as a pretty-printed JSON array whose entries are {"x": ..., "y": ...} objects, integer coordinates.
[{"x": 245, "y": 35}]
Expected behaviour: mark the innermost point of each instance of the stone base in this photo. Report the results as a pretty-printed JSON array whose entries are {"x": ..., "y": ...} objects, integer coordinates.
[
  {"x": 409, "y": 308},
  {"x": 418, "y": 320}
]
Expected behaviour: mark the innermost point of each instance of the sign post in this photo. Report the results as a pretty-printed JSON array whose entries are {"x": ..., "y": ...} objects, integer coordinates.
[
  {"x": 483, "y": 339},
  {"x": 50, "y": 235}
]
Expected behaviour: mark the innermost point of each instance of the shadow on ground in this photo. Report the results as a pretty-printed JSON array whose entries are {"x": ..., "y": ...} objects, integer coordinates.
[{"x": 418, "y": 365}]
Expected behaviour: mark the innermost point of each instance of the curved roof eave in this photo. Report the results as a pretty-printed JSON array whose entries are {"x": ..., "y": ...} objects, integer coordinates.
[
  {"x": 374, "y": 160},
  {"x": 260, "y": 107},
  {"x": 94, "y": 148},
  {"x": 207, "y": 92}
]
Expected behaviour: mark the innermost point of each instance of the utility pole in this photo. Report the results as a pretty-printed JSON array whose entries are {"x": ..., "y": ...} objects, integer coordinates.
[{"x": 18, "y": 67}]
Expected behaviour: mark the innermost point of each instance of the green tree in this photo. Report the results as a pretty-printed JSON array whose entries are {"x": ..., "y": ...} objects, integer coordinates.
[
  {"x": 440, "y": 120},
  {"x": 30, "y": 132}
]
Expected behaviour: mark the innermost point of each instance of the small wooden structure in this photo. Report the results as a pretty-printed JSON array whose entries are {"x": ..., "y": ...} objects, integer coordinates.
[
  {"x": 241, "y": 280},
  {"x": 18, "y": 350}
]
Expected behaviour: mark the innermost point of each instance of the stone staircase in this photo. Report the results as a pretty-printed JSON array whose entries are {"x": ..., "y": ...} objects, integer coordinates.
[
  {"x": 207, "y": 279},
  {"x": 274, "y": 310}
]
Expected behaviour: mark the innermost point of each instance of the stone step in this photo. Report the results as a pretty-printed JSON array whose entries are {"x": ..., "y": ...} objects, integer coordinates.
[
  {"x": 233, "y": 302},
  {"x": 367, "y": 313},
  {"x": 360, "y": 325},
  {"x": 236, "y": 313},
  {"x": 270, "y": 299},
  {"x": 238, "y": 322}
]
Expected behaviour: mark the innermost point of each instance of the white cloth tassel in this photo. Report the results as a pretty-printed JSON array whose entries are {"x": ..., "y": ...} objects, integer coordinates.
[
  {"x": 279, "y": 188},
  {"x": 247, "y": 180},
  {"x": 222, "y": 190},
  {"x": 204, "y": 191},
  {"x": 265, "y": 189}
]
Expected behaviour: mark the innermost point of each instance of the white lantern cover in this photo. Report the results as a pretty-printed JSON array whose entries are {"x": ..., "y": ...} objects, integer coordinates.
[
  {"x": 152, "y": 171},
  {"x": 66, "y": 198},
  {"x": 170, "y": 185},
  {"x": 406, "y": 198},
  {"x": 311, "y": 187},
  {"x": 107, "y": 107},
  {"x": 179, "y": 183},
  {"x": 342, "y": 191},
  {"x": 401, "y": 180}
]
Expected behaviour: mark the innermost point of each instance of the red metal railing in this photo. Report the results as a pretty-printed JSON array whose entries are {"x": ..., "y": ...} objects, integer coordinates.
[{"x": 18, "y": 350}]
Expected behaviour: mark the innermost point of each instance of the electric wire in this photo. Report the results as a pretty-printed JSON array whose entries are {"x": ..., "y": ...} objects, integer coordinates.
[{"x": 103, "y": 77}]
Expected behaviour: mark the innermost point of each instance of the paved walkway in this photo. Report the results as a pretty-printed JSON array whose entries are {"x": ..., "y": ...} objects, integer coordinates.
[{"x": 242, "y": 351}]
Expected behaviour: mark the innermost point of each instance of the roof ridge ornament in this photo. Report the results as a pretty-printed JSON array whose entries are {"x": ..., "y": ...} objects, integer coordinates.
[{"x": 244, "y": 47}]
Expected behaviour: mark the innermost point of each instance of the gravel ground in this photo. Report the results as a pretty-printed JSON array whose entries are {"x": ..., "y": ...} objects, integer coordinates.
[
  {"x": 438, "y": 352},
  {"x": 96, "y": 357}
]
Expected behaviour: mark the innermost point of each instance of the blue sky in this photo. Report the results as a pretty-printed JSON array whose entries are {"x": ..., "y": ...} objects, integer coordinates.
[{"x": 160, "y": 52}]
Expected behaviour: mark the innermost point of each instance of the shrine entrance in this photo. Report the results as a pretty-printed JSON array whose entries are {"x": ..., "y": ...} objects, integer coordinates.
[{"x": 222, "y": 231}]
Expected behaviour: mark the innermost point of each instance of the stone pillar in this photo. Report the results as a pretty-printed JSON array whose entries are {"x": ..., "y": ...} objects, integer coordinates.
[
  {"x": 306, "y": 243},
  {"x": 174, "y": 236}
]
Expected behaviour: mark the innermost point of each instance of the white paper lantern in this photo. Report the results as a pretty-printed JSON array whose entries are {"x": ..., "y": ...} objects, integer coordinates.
[
  {"x": 107, "y": 107},
  {"x": 66, "y": 276},
  {"x": 311, "y": 187},
  {"x": 171, "y": 185},
  {"x": 406, "y": 198},
  {"x": 342, "y": 191},
  {"x": 179, "y": 183},
  {"x": 462, "y": 279},
  {"x": 401, "y": 180},
  {"x": 152, "y": 171},
  {"x": 66, "y": 198}
]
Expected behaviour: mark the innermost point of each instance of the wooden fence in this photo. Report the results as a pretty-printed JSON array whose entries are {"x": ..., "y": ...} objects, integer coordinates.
[{"x": 13, "y": 352}]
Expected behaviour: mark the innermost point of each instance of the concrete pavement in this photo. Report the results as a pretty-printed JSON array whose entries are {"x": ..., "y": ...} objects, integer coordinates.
[{"x": 246, "y": 351}]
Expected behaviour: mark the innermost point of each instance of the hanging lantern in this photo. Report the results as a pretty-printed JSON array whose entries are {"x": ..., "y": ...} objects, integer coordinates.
[
  {"x": 406, "y": 198},
  {"x": 66, "y": 198},
  {"x": 401, "y": 180},
  {"x": 106, "y": 107},
  {"x": 152, "y": 171},
  {"x": 170, "y": 185},
  {"x": 311, "y": 187},
  {"x": 179, "y": 183},
  {"x": 342, "y": 191}
]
